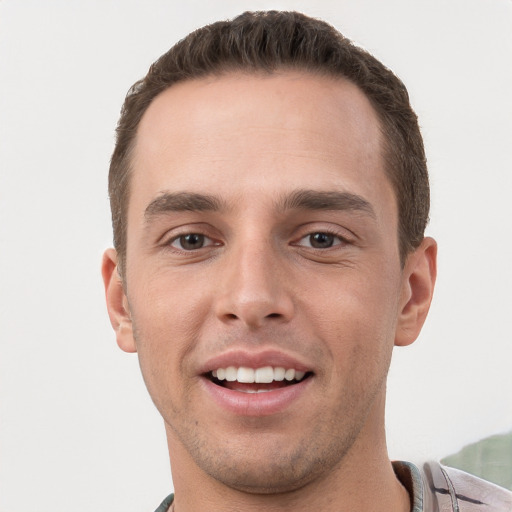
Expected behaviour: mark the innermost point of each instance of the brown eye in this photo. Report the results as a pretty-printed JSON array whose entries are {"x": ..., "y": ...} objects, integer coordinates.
[
  {"x": 321, "y": 240},
  {"x": 189, "y": 242}
]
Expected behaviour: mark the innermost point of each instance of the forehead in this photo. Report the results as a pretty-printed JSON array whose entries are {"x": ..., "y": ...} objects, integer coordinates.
[{"x": 239, "y": 130}]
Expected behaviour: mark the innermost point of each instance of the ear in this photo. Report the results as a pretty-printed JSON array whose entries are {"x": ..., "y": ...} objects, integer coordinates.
[
  {"x": 117, "y": 302},
  {"x": 419, "y": 277}
]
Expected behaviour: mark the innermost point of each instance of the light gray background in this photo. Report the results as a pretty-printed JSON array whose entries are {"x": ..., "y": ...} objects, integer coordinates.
[{"x": 77, "y": 429}]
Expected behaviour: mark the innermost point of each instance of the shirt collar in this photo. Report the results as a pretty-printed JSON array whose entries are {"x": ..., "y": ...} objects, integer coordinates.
[{"x": 410, "y": 477}]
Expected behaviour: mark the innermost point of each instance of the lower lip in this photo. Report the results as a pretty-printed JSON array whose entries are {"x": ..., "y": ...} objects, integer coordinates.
[{"x": 256, "y": 404}]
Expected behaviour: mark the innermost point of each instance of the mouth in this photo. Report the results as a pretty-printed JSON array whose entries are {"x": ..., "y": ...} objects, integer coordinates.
[{"x": 257, "y": 380}]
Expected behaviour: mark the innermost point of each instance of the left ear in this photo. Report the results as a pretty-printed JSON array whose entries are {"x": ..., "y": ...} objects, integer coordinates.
[
  {"x": 419, "y": 277},
  {"x": 117, "y": 302}
]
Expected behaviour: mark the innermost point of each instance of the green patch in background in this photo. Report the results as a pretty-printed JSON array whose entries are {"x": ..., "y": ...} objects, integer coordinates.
[{"x": 490, "y": 459}]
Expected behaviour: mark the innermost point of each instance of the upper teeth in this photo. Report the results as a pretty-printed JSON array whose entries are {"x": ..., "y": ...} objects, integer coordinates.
[{"x": 262, "y": 375}]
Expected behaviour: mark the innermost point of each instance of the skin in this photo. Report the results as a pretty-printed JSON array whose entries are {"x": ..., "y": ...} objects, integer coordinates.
[{"x": 257, "y": 284}]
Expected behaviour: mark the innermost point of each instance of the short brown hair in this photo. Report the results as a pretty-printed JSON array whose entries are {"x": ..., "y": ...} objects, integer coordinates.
[{"x": 270, "y": 41}]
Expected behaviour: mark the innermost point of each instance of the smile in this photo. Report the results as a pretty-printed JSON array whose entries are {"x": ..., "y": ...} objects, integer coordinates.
[
  {"x": 256, "y": 380},
  {"x": 264, "y": 375},
  {"x": 256, "y": 384}
]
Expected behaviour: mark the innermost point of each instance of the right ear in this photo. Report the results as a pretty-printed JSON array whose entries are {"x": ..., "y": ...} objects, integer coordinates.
[{"x": 117, "y": 302}]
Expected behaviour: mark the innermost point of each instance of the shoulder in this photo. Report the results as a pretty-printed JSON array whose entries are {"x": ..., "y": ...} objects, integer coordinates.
[{"x": 456, "y": 490}]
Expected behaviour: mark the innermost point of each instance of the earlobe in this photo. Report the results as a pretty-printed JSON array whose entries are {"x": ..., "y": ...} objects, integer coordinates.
[
  {"x": 419, "y": 278},
  {"x": 117, "y": 303}
]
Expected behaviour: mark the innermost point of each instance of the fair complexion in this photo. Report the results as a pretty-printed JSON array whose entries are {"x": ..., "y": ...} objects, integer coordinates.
[{"x": 262, "y": 235}]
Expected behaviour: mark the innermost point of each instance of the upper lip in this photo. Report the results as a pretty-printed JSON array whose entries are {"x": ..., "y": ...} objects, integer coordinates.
[{"x": 258, "y": 359}]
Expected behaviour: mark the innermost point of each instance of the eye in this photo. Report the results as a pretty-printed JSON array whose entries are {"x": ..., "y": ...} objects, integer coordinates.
[
  {"x": 191, "y": 242},
  {"x": 321, "y": 240}
]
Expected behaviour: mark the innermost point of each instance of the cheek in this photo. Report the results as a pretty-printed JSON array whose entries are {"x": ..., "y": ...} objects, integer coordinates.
[
  {"x": 166, "y": 327},
  {"x": 167, "y": 312},
  {"x": 357, "y": 319}
]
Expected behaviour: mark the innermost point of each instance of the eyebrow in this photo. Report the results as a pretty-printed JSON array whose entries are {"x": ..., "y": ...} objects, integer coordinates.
[
  {"x": 329, "y": 200},
  {"x": 182, "y": 201},
  {"x": 301, "y": 199}
]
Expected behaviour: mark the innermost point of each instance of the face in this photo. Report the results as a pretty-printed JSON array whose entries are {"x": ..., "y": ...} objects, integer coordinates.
[{"x": 263, "y": 290}]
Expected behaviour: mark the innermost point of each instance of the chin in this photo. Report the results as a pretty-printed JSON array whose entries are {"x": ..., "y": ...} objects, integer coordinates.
[
  {"x": 267, "y": 464},
  {"x": 262, "y": 478}
]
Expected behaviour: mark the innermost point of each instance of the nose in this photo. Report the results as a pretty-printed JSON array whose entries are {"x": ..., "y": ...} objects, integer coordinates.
[{"x": 254, "y": 287}]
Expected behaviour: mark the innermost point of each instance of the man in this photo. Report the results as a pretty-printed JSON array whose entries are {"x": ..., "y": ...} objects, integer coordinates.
[{"x": 269, "y": 198}]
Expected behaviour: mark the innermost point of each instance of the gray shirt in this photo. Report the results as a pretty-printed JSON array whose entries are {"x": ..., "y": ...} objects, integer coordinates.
[{"x": 439, "y": 489}]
